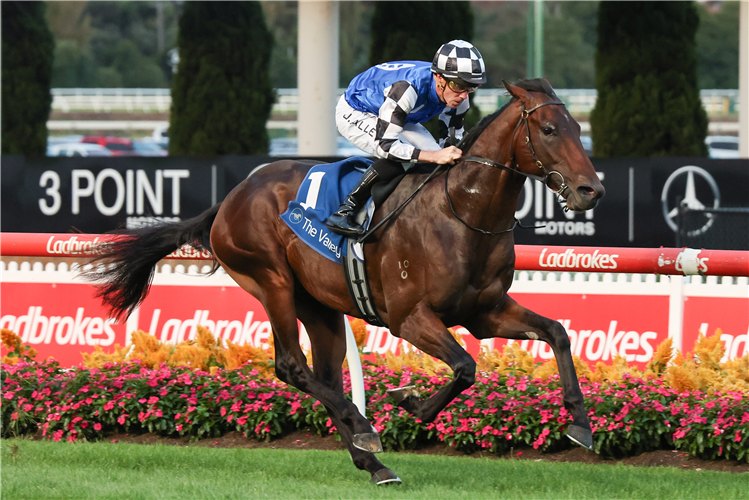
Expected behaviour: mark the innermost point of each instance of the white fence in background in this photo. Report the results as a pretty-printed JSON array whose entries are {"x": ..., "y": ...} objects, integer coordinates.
[{"x": 717, "y": 102}]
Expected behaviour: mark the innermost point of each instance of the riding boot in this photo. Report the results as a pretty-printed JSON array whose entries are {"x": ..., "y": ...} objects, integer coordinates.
[{"x": 342, "y": 221}]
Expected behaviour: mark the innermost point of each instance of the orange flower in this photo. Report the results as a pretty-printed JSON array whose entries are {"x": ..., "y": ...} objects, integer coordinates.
[{"x": 9, "y": 338}]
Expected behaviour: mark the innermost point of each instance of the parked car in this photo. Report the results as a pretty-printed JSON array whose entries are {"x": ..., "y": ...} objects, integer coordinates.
[
  {"x": 147, "y": 147},
  {"x": 161, "y": 136},
  {"x": 722, "y": 146},
  {"x": 77, "y": 149},
  {"x": 587, "y": 144},
  {"x": 289, "y": 146},
  {"x": 119, "y": 146}
]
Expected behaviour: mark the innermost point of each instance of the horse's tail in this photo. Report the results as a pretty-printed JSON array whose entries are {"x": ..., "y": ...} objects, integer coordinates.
[{"x": 125, "y": 267}]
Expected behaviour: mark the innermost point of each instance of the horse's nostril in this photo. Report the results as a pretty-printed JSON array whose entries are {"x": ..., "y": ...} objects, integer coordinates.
[{"x": 586, "y": 191}]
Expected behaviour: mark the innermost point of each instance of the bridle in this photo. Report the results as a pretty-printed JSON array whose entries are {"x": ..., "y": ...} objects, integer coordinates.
[
  {"x": 546, "y": 178},
  {"x": 485, "y": 161}
]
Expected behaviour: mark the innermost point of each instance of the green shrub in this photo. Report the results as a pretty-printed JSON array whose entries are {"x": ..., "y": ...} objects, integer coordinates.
[
  {"x": 221, "y": 94},
  {"x": 28, "y": 49},
  {"x": 646, "y": 76}
]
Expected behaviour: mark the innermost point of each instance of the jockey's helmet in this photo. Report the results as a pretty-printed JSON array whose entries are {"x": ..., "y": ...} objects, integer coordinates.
[{"x": 460, "y": 60}]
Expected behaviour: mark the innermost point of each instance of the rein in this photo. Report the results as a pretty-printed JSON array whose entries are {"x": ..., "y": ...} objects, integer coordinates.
[
  {"x": 491, "y": 163},
  {"x": 485, "y": 161}
]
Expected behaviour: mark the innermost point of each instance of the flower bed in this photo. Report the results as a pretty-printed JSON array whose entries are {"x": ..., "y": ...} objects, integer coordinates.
[
  {"x": 501, "y": 411},
  {"x": 200, "y": 389}
]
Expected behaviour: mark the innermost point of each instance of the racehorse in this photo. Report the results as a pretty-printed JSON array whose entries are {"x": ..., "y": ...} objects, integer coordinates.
[{"x": 455, "y": 239}]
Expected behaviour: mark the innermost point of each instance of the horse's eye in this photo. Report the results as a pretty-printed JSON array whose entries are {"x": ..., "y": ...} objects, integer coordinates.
[{"x": 548, "y": 130}]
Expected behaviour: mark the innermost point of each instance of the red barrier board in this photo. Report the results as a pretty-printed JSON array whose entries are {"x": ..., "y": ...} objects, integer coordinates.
[
  {"x": 601, "y": 326},
  {"x": 707, "y": 314},
  {"x": 171, "y": 314},
  {"x": 71, "y": 245},
  {"x": 58, "y": 320},
  {"x": 63, "y": 321},
  {"x": 671, "y": 261}
]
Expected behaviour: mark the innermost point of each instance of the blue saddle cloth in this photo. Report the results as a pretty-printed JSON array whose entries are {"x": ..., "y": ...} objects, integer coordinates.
[{"x": 319, "y": 195}]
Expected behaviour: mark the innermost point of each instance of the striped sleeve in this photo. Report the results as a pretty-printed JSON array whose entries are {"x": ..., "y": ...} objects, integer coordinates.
[
  {"x": 452, "y": 118},
  {"x": 400, "y": 99}
]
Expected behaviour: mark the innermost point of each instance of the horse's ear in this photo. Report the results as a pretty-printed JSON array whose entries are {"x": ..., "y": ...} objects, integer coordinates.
[{"x": 515, "y": 91}]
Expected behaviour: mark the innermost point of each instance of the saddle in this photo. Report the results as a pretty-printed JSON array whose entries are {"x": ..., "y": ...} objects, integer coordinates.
[{"x": 320, "y": 194}]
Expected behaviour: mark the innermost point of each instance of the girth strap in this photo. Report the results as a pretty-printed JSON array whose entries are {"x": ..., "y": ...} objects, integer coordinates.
[{"x": 358, "y": 285}]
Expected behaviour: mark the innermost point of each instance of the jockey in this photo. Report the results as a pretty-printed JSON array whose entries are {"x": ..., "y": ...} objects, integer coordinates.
[{"x": 383, "y": 109}]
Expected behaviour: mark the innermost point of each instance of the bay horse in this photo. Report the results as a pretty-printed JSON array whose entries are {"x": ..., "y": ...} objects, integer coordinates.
[{"x": 455, "y": 237}]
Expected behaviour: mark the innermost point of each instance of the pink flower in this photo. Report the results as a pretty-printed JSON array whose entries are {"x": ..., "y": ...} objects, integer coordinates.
[
  {"x": 179, "y": 427},
  {"x": 153, "y": 400},
  {"x": 57, "y": 436},
  {"x": 223, "y": 411},
  {"x": 121, "y": 419},
  {"x": 737, "y": 437},
  {"x": 97, "y": 426},
  {"x": 14, "y": 415}
]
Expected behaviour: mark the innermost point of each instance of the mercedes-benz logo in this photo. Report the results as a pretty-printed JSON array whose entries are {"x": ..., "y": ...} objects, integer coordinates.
[{"x": 689, "y": 198}]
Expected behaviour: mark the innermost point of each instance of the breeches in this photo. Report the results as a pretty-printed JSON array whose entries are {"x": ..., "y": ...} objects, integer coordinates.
[{"x": 359, "y": 128}]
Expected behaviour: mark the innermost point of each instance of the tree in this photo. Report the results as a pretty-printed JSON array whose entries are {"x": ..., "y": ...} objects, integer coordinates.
[
  {"x": 415, "y": 30},
  {"x": 282, "y": 19},
  {"x": 646, "y": 76},
  {"x": 718, "y": 47},
  {"x": 26, "y": 76},
  {"x": 221, "y": 94},
  {"x": 113, "y": 44},
  {"x": 72, "y": 67},
  {"x": 569, "y": 41}
]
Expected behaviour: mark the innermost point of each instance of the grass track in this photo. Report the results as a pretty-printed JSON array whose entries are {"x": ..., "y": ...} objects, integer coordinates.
[{"x": 45, "y": 470}]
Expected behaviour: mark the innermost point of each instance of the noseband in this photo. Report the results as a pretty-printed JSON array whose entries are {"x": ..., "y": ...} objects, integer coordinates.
[{"x": 546, "y": 178}]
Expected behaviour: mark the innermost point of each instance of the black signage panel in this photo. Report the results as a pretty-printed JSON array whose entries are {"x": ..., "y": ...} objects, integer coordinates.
[
  {"x": 640, "y": 205},
  {"x": 96, "y": 195}
]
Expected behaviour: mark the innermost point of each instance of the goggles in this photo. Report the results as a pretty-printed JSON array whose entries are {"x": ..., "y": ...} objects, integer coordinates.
[{"x": 459, "y": 89}]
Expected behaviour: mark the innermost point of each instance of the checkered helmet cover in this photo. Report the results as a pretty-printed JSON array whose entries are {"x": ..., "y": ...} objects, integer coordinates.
[{"x": 460, "y": 59}]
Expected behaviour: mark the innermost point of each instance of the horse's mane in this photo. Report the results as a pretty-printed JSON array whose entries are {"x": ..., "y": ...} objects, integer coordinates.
[{"x": 533, "y": 85}]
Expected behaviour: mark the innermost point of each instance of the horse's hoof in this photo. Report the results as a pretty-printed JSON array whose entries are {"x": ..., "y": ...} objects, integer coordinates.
[
  {"x": 581, "y": 436},
  {"x": 401, "y": 393},
  {"x": 368, "y": 441},
  {"x": 385, "y": 476}
]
